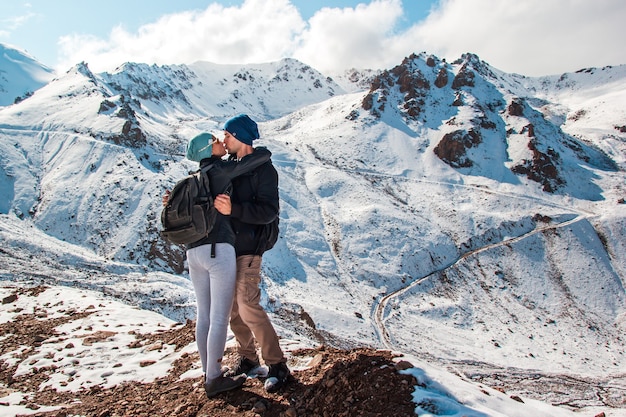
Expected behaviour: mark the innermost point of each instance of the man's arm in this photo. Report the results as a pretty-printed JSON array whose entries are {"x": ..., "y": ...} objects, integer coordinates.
[{"x": 264, "y": 208}]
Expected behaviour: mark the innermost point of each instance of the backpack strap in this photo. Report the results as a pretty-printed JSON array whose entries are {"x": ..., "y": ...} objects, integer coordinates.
[{"x": 205, "y": 170}]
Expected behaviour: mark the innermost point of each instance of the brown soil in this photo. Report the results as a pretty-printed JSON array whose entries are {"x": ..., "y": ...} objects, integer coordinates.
[{"x": 356, "y": 382}]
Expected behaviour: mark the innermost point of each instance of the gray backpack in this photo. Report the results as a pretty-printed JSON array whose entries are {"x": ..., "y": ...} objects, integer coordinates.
[{"x": 189, "y": 214}]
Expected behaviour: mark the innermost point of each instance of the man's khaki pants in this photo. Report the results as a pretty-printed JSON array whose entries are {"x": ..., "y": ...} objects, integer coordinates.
[{"x": 248, "y": 319}]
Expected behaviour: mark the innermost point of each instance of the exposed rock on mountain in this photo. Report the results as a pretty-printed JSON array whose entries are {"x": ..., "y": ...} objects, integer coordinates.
[
  {"x": 452, "y": 149},
  {"x": 499, "y": 115},
  {"x": 409, "y": 81}
]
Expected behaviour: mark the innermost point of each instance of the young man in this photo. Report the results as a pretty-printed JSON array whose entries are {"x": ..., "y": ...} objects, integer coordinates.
[{"x": 253, "y": 204}]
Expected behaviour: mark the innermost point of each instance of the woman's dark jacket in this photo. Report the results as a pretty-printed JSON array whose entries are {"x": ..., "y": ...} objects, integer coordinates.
[
  {"x": 221, "y": 174},
  {"x": 255, "y": 202}
]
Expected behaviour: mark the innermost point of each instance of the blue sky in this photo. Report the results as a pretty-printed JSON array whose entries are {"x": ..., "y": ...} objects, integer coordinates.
[{"x": 532, "y": 37}]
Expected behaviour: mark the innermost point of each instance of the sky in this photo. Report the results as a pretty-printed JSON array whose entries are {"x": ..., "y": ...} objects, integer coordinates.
[{"x": 533, "y": 37}]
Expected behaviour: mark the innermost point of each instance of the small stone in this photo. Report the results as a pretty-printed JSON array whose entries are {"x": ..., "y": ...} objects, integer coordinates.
[
  {"x": 155, "y": 346},
  {"x": 9, "y": 299},
  {"x": 260, "y": 406},
  {"x": 316, "y": 361},
  {"x": 403, "y": 365},
  {"x": 290, "y": 412}
]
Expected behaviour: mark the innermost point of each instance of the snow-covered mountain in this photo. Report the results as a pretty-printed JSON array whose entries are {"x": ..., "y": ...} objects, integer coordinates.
[
  {"x": 20, "y": 75},
  {"x": 464, "y": 215}
]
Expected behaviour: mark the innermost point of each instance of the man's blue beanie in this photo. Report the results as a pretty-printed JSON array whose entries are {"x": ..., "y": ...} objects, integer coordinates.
[{"x": 243, "y": 128}]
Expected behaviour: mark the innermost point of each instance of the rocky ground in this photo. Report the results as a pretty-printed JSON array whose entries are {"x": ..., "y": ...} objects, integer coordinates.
[
  {"x": 326, "y": 381},
  {"x": 356, "y": 382}
]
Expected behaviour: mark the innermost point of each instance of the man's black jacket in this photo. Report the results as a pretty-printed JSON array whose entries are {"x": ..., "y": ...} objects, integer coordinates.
[{"x": 255, "y": 202}]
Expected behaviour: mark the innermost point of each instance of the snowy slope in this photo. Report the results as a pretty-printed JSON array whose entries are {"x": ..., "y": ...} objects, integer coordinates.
[
  {"x": 20, "y": 75},
  {"x": 587, "y": 104},
  {"x": 448, "y": 244},
  {"x": 465, "y": 261}
]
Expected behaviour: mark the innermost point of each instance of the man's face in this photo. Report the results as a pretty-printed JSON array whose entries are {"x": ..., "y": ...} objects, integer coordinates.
[{"x": 231, "y": 144}]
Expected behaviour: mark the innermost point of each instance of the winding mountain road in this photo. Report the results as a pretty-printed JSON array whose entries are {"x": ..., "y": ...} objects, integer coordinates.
[
  {"x": 379, "y": 309},
  {"x": 608, "y": 392}
]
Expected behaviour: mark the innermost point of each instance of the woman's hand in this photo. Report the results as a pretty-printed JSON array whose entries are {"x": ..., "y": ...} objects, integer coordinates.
[{"x": 166, "y": 197}]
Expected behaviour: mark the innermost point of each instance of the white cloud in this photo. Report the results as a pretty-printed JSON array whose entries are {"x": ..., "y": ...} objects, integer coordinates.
[
  {"x": 257, "y": 31},
  {"x": 533, "y": 37},
  {"x": 12, "y": 23},
  {"x": 359, "y": 37}
]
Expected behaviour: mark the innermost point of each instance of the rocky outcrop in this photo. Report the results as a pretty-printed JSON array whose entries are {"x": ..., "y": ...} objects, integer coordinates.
[
  {"x": 541, "y": 168},
  {"x": 131, "y": 134},
  {"x": 407, "y": 80},
  {"x": 442, "y": 78},
  {"x": 452, "y": 149},
  {"x": 464, "y": 78},
  {"x": 375, "y": 100},
  {"x": 516, "y": 108}
]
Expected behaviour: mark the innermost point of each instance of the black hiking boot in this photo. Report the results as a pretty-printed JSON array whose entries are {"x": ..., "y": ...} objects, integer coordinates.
[
  {"x": 243, "y": 366},
  {"x": 276, "y": 377},
  {"x": 223, "y": 383}
]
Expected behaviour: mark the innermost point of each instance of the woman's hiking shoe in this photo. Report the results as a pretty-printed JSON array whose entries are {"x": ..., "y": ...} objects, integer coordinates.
[
  {"x": 223, "y": 383},
  {"x": 276, "y": 377},
  {"x": 243, "y": 366}
]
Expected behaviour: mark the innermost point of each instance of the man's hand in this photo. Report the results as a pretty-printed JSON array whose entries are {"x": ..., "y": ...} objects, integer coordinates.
[{"x": 222, "y": 204}]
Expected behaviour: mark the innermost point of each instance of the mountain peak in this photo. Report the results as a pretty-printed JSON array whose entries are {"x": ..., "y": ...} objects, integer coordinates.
[{"x": 20, "y": 75}]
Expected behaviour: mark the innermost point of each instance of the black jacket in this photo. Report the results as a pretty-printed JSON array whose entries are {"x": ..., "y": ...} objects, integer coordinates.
[
  {"x": 220, "y": 176},
  {"x": 255, "y": 202}
]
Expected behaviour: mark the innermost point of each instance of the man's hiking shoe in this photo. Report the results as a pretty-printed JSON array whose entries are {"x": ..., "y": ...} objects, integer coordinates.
[
  {"x": 243, "y": 366},
  {"x": 276, "y": 377},
  {"x": 223, "y": 383}
]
